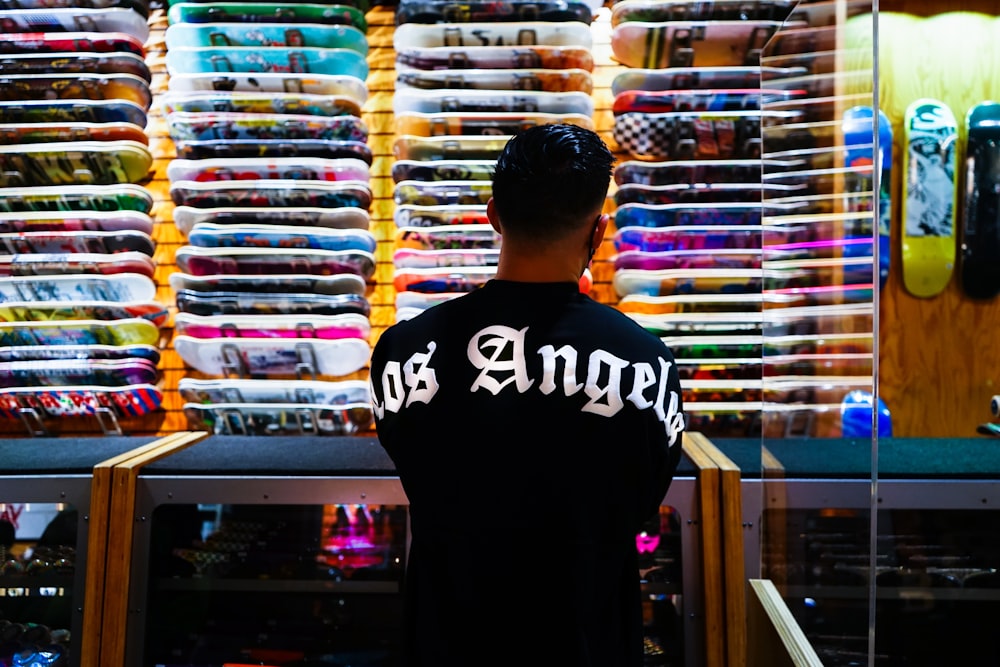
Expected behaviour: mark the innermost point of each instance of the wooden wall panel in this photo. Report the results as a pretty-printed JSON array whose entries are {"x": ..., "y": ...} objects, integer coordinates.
[{"x": 938, "y": 364}]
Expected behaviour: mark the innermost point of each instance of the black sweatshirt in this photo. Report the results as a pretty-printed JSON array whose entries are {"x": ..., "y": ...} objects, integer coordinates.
[{"x": 534, "y": 430}]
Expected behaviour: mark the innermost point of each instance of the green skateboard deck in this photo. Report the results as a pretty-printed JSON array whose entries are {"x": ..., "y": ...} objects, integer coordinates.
[
  {"x": 291, "y": 35},
  {"x": 266, "y": 12}
]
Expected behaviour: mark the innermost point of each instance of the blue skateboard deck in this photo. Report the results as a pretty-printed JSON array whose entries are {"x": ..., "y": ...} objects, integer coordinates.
[
  {"x": 859, "y": 145},
  {"x": 247, "y": 59}
]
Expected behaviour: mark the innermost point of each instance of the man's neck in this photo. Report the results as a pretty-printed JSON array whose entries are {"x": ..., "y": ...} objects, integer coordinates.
[{"x": 539, "y": 265}]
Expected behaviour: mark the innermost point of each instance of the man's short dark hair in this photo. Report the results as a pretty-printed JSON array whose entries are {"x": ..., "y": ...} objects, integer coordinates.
[{"x": 550, "y": 179}]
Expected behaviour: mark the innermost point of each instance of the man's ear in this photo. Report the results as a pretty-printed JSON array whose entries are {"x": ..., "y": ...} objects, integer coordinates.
[
  {"x": 599, "y": 230},
  {"x": 491, "y": 215}
]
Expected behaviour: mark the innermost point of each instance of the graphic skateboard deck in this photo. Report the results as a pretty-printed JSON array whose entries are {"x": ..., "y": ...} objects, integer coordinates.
[
  {"x": 74, "y": 163},
  {"x": 467, "y": 147},
  {"x": 447, "y": 237},
  {"x": 859, "y": 140},
  {"x": 233, "y": 390},
  {"x": 273, "y": 357},
  {"x": 480, "y": 123},
  {"x": 266, "y": 12},
  {"x": 980, "y": 259},
  {"x": 264, "y": 261},
  {"x": 259, "y": 304},
  {"x": 65, "y": 111},
  {"x": 271, "y": 82},
  {"x": 44, "y": 264},
  {"x": 799, "y": 39},
  {"x": 208, "y": 126},
  {"x": 21, "y": 87},
  {"x": 279, "y": 419},
  {"x": 684, "y": 10},
  {"x": 265, "y": 103},
  {"x": 705, "y": 193},
  {"x": 76, "y": 221},
  {"x": 31, "y": 43},
  {"x": 442, "y": 170},
  {"x": 140, "y": 6},
  {"x": 243, "y": 169},
  {"x": 701, "y": 324},
  {"x": 254, "y": 59},
  {"x": 107, "y": 198},
  {"x": 76, "y": 19},
  {"x": 494, "y": 57},
  {"x": 422, "y": 300},
  {"x": 63, "y": 372},
  {"x": 684, "y": 214},
  {"x": 274, "y": 148},
  {"x": 409, "y": 258},
  {"x": 347, "y": 325},
  {"x": 346, "y": 217},
  {"x": 280, "y": 236},
  {"x": 518, "y": 33},
  {"x": 716, "y": 99},
  {"x": 70, "y": 131},
  {"x": 97, "y": 242},
  {"x": 128, "y": 401},
  {"x": 673, "y": 172},
  {"x": 689, "y": 303},
  {"x": 686, "y": 281},
  {"x": 696, "y": 78},
  {"x": 448, "y": 279},
  {"x": 442, "y": 193},
  {"x": 408, "y": 215},
  {"x": 119, "y": 288},
  {"x": 269, "y": 35},
  {"x": 491, "y": 101},
  {"x": 723, "y": 258},
  {"x": 76, "y": 63},
  {"x": 682, "y": 135},
  {"x": 341, "y": 283},
  {"x": 435, "y": 11},
  {"x": 268, "y": 192},
  {"x": 135, "y": 331},
  {"x": 929, "y": 197},
  {"x": 515, "y": 78},
  {"x": 708, "y": 237},
  {"x": 79, "y": 352},
  {"x": 652, "y": 44}
]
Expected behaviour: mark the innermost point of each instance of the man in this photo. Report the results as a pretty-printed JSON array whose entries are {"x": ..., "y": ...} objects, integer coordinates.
[{"x": 534, "y": 430}]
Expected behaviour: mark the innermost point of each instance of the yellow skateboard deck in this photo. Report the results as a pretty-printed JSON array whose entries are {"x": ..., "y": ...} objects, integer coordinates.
[{"x": 930, "y": 189}]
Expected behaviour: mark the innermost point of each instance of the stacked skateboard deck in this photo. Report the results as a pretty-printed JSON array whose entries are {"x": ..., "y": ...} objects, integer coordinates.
[
  {"x": 696, "y": 193},
  {"x": 272, "y": 196},
  {"x": 469, "y": 76},
  {"x": 822, "y": 259},
  {"x": 79, "y": 321}
]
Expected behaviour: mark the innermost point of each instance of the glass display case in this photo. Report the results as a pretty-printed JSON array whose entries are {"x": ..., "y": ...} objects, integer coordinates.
[
  {"x": 933, "y": 572},
  {"x": 245, "y": 553},
  {"x": 51, "y": 544}
]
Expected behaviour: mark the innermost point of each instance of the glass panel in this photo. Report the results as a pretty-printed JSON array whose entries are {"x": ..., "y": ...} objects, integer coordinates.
[
  {"x": 273, "y": 585},
  {"x": 823, "y": 261},
  {"x": 936, "y": 576},
  {"x": 38, "y": 594}
]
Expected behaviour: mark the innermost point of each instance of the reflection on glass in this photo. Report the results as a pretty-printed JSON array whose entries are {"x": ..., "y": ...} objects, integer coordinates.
[
  {"x": 233, "y": 582},
  {"x": 819, "y": 247}
]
